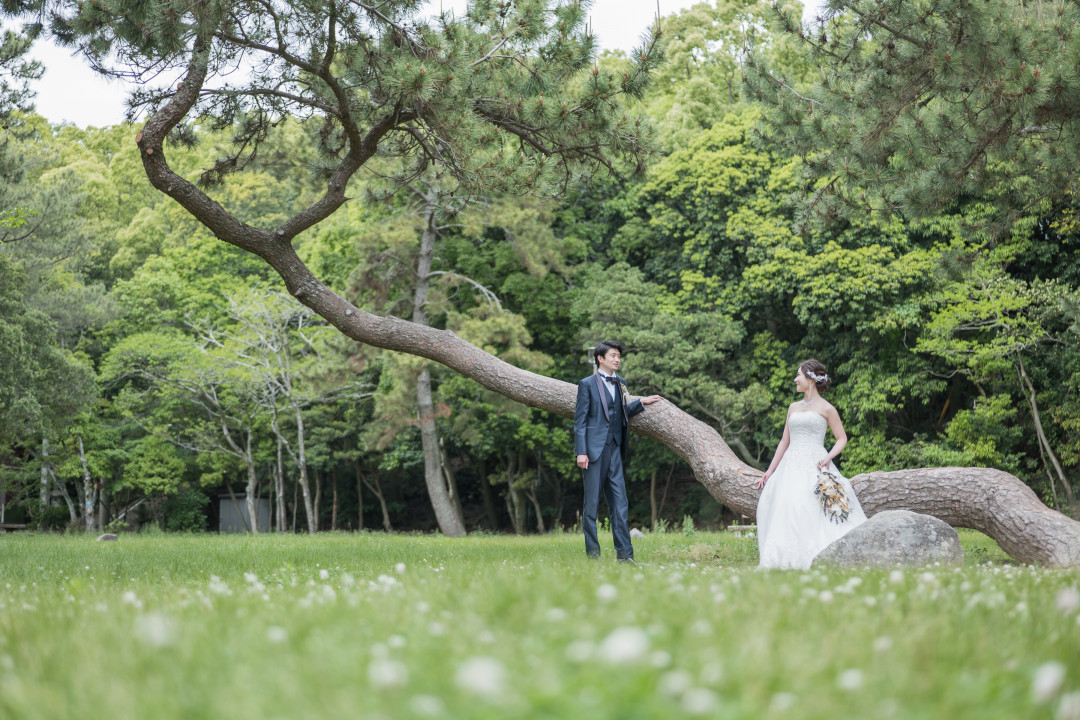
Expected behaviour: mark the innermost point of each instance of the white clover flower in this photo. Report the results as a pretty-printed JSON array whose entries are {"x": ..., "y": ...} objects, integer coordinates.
[
  {"x": 606, "y": 593},
  {"x": 555, "y": 614},
  {"x": 850, "y": 679},
  {"x": 129, "y": 598},
  {"x": 825, "y": 596},
  {"x": 896, "y": 577},
  {"x": 1068, "y": 600},
  {"x": 711, "y": 673},
  {"x": 427, "y": 705},
  {"x": 675, "y": 682},
  {"x": 400, "y": 568},
  {"x": 782, "y": 701},
  {"x": 324, "y": 574},
  {"x": 436, "y": 628},
  {"x": 624, "y": 645},
  {"x": 276, "y": 634},
  {"x": 883, "y": 644},
  {"x": 386, "y": 673},
  {"x": 1047, "y": 681},
  {"x": 251, "y": 578},
  {"x": 660, "y": 658},
  {"x": 579, "y": 651},
  {"x": 700, "y": 701},
  {"x": 218, "y": 586},
  {"x": 1069, "y": 707},
  {"x": 155, "y": 629},
  {"x": 484, "y": 676},
  {"x": 395, "y": 641}
]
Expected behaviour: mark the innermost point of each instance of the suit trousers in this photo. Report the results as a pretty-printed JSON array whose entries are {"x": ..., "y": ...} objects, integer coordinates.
[{"x": 607, "y": 474}]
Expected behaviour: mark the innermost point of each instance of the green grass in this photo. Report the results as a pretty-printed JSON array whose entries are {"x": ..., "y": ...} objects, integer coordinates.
[{"x": 411, "y": 626}]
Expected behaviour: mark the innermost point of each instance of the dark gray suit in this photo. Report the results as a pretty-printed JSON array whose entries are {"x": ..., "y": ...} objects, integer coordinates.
[{"x": 600, "y": 432}]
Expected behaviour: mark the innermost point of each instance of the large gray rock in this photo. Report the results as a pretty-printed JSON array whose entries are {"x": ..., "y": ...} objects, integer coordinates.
[{"x": 895, "y": 537}]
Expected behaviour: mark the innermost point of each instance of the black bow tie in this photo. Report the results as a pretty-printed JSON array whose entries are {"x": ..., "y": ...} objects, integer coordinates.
[{"x": 611, "y": 378}]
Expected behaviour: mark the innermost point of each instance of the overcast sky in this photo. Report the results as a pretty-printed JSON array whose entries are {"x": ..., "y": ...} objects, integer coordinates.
[{"x": 70, "y": 92}]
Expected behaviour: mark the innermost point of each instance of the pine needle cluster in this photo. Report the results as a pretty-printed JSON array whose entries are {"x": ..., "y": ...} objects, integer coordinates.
[{"x": 920, "y": 104}]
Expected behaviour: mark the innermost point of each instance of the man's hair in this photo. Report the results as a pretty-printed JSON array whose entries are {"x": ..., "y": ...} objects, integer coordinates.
[{"x": 602, "y": 349}]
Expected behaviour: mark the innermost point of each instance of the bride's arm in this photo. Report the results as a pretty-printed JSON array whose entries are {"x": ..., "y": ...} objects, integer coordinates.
[
  {"x": 839, "y": 433},
  {"x": 780, "y": 450}
]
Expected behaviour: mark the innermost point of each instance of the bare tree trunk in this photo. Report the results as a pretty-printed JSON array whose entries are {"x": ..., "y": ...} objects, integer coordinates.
[
  {"x": 279, "y": 487},
  {"x": 1044, "y": 443},
  {"x": 652, "y": 498},
  {"x": 359, "y": 496},
  {"x": 969, "y": 497},
  {"x": 486, "y": 494},
  {"x": 515, "y": 503},
  {"x": 236, "y": 507},
  {"x": 252, "y": 487},
  {"x": 535, "y": 499},
  {"x": 305, "y": 488},
  {"x": 318, "y": 497},
  {"x": 44, "y": 473},
  {"x": 376, "y": 487},
  {"x": 667, "y": 486},
  {"x": 450, "y": 523},
  {"x": 89, "y": 490},
  {"x": 333, "y": 510},
  {"x": 451, "y": 481},
  {"x": 61, "y": 487}
]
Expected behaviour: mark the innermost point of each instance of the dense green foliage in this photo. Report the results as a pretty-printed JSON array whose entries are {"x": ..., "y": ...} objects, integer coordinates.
[{"x": 948, "y": 344}]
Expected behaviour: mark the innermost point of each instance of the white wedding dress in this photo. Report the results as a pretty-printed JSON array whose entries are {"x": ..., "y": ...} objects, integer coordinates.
[{"x": 792, "y": 528}]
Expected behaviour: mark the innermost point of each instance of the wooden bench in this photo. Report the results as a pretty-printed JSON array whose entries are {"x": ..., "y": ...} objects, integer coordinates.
[{"x": 11, "y": 527}]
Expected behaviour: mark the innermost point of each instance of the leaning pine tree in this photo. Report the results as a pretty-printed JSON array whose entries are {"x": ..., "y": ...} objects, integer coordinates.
[{"x": 506, "y": 99}]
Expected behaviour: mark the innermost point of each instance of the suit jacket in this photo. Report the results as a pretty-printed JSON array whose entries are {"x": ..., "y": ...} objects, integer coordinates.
[{"x": 591, "y": 421}]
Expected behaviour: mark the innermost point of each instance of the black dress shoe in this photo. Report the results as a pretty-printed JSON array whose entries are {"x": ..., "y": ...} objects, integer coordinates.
[{"x": 629, "y": 561}]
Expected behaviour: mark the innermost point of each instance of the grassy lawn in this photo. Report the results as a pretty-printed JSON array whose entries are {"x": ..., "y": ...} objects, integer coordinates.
[{"x": 409, "y": 626}]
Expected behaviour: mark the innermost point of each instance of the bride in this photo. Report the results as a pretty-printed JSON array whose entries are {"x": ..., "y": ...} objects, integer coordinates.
[{"x": 792, "y": 526}]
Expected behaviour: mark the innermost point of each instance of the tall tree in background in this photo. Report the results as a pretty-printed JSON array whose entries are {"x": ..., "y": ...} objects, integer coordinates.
[
  {"x": 499, "y": 99},
  {"x": 918, "y": 106}
]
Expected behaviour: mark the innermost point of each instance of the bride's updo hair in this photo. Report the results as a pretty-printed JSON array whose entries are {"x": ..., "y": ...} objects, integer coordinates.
[{"x": 815, "y": 372}]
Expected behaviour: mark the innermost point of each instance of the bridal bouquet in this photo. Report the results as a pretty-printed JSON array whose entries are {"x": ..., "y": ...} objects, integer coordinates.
[{"x": 831, "y": 495}]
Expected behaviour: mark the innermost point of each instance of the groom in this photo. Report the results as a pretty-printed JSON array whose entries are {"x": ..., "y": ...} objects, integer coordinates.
[{"x": 601, "y": 416}]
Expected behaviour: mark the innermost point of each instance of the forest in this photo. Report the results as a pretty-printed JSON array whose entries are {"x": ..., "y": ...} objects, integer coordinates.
[{"x": 152, "y": 376}]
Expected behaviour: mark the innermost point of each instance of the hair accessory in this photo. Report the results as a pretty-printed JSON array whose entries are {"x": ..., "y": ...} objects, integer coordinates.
[{"x": 817, "y": 378}]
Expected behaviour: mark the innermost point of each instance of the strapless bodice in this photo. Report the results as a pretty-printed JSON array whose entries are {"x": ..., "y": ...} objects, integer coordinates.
[{"x": 807, "y": 429}]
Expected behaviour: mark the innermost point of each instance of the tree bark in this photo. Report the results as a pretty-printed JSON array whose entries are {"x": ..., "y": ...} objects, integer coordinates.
[
  {"x": 333, "y": 510},
  {"x": 359, "y": 496},
  {"x": 279, "y": 487},
  {"x": 89, "y": 490},
  {"x": 450, "y": 523},
  {"x": 1044, "y": 442},
  {"x": 486, "y": 494},
  {"x": 252, "y": 485},
  {"x": 44, "y": 473},
  {"x": 969, "y": 497}
]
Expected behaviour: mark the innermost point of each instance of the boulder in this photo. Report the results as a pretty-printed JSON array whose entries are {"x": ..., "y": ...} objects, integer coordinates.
[
  {"x": 895, "y": 537},
  {"x": 106, "y": 536}
]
